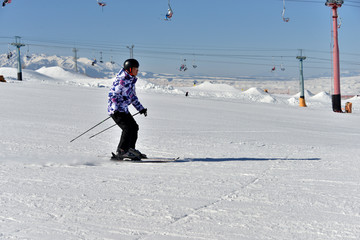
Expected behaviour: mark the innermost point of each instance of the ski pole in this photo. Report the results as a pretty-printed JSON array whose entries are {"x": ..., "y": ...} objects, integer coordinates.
[
  {"x": 90, "y": 129},
  {"x": 108, "y": 128},
  {"x": 102, "y": 131}
]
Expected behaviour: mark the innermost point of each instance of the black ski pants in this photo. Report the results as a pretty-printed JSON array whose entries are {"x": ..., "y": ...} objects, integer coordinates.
[{"x": 129, "y": 128}]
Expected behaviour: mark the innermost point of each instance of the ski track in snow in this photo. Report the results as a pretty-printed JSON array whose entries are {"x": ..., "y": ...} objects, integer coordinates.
[{"x": 226, "y": 197}]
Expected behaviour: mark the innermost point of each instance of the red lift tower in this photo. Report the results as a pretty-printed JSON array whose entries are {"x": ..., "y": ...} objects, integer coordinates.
[{"x": 336, "y": 97}]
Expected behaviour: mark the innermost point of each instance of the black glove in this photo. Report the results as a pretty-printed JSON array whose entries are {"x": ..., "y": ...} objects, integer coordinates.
[{"x": 144, "y": 111}]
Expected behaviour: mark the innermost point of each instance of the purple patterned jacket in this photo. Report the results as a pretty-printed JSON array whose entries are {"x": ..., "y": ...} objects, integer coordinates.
[{"x": 122, "y": 94}]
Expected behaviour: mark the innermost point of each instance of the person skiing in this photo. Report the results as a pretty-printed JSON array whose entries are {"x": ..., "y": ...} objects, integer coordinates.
[{"x": 121, "y": 95}]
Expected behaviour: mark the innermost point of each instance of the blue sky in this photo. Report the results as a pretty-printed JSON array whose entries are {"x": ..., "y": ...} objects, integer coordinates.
[{"x": 227, "y": 37}]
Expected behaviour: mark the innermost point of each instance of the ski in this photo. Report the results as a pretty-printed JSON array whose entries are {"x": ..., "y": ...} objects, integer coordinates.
[{"x": 144, "y": 160}]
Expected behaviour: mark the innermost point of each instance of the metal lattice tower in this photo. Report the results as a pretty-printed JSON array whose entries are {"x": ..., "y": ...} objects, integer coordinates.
[
  {"x": 18, "y": 45},
  {"x": 131, "y": 50},
  {"x": 302, "y": 92}
]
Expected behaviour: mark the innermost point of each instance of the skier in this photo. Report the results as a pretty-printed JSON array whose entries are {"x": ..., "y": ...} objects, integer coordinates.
[{"x": 121, "y": 95}]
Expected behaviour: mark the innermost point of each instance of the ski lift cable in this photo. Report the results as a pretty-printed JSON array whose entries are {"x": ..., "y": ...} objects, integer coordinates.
[
  {"x": 109, "y": 45},
  {"x": 248, "y": 57},
  {"x": 158, "y": 51}
]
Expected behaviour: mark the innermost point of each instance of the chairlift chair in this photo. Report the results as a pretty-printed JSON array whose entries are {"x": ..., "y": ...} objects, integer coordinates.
[
  {"x": 285, "y": 19},
  {"x": 169, "y": 13},
  {"x": 102, "y": 4}
]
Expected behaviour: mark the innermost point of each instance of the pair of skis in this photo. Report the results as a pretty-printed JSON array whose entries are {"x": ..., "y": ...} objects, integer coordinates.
[{"x": 143, "y": 160}]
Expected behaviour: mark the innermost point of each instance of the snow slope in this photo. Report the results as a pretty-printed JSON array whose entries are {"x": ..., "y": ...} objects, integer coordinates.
[{"x": 250, "y": 168}]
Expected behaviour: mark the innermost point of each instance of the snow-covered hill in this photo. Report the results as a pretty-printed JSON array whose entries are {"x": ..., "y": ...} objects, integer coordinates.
[{"x": 84, "y": 65}]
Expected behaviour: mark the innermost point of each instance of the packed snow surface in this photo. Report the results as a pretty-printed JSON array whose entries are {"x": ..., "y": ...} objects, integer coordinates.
[{"x": 253, "y": 165}]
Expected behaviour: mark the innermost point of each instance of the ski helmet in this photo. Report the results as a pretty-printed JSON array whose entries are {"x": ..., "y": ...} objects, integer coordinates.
[{"x": 131, "y": 63}]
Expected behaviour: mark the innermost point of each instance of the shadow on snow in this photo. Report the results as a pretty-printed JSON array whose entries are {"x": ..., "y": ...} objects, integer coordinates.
[{"x": 245, "y": 159}]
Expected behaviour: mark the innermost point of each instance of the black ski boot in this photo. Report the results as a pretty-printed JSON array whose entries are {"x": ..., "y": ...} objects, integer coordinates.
[
  {"x": 122, "y": 155},
  {"x": 137, "y": 153}
]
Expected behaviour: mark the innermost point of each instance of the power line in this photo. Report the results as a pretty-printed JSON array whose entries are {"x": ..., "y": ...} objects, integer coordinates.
[
  {"x": 181, "y": 50},
  {"x": 223, "y": 55}
]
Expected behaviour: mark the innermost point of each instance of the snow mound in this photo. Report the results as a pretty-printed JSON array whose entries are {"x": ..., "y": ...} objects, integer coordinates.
[
  {"x": 258, "y": 95},
  {"x": 60, "y": 73},
  {"x": 255, "y": 91},
  {"x": 307, "y": 94},
  {"x": 212, "y": 90},
  {"x": 322, "y": 97},
  {"x": 293, "y": 101},
  {"x": 10, "y": 74},
  {"x": 144, "y": 85},
  {"x": 355, "y": 99},
  {"x": 215, "y": 87},
  {"x": 316, "y": 100}
]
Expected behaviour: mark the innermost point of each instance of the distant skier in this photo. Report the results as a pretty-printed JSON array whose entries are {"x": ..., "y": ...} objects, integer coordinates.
[{"x": 121, "y": 95}]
